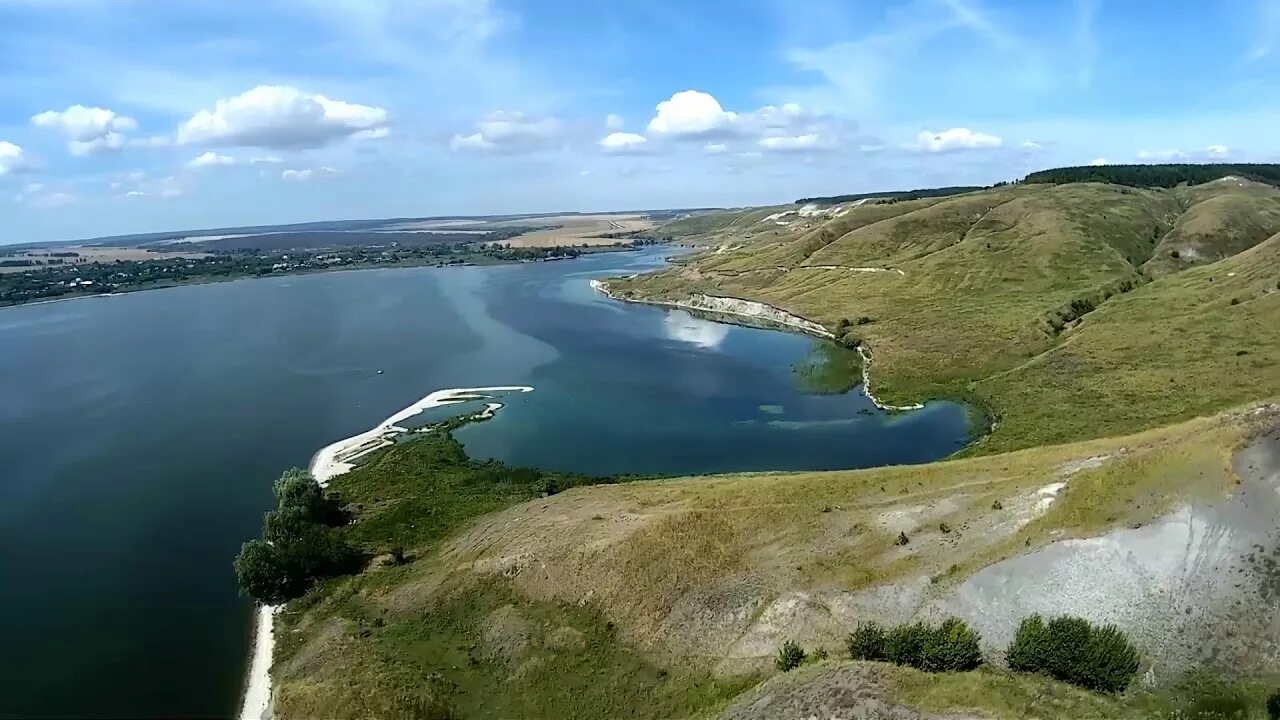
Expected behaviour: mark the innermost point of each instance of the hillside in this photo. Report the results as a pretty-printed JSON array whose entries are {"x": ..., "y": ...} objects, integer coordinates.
[
  {"x": 1031, "y": 290},
  {"x": 1131, "y": 476}
]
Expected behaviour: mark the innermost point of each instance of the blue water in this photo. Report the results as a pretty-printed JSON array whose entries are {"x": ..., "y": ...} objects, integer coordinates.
[{"x": 140, "y": 435}]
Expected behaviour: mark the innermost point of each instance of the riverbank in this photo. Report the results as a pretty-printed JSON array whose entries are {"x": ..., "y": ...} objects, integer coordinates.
[
  {"x": 333, "y": 460},
  {"x": 732, "y": 308},
  {"x": 474, "y": 261}
]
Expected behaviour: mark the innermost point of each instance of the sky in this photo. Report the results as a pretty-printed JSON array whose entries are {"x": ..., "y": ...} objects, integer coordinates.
[{"x": 126, "y": 116}]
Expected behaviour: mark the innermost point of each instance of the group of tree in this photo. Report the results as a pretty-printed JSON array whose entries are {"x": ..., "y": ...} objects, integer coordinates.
[
  {"x": 1163, "y": 175},
  {"x": 1097, "y": 657},
  {"x": 951, "y": 646},
  {"x": 302, "y": 541},
  {"x": 892, "y": 195}
]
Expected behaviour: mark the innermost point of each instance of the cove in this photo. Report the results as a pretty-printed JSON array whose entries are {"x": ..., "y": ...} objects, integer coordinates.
[{"x": 141, "y": 433}]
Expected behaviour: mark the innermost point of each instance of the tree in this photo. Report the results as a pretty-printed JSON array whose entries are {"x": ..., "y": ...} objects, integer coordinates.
[
  {"x": 296, "y": 488},
  {"x": 1071, "y": 649},
  {"x": 1273, "y": 705},
  {"x": 261, "y": 574},
  {"x": 905, "y": 644}
]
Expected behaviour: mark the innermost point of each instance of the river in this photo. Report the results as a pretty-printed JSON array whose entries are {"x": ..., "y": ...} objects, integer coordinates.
[{"x": 140, "y": 435}]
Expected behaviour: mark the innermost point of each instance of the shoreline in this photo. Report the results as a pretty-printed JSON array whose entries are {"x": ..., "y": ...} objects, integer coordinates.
[
  {"x": 777, "y": 316},
  {"x": 331, "y": 461},
  {"x": 309, "y": 271}
]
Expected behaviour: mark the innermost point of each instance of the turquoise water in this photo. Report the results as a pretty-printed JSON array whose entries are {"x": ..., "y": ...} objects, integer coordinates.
[{"x": 140, "y": 435}]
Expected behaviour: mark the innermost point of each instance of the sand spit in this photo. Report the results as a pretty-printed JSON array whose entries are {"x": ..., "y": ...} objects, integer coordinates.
[{"x": 341, "y": 456}]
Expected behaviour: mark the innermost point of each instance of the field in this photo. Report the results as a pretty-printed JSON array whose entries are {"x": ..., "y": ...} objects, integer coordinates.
[
  {"x": 91, "y": 254},
  {"x": 581, "y": 230}
]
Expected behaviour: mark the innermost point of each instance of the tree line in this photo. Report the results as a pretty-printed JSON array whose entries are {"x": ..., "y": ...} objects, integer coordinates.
[{"x": 1165, "y": 175}]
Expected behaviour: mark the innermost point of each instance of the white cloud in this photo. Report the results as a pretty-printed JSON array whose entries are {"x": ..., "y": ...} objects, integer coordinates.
[
  {"x": 90, "y": 130},
  {"x": 38, "y": 195},
  {"x": 372, "y": 134},
  {"x": 509, "y": 132},
  {"x": 870, "y": 148},
  {"x": 11, "y": 158},
  {"x": 278, "y": 116},
  {"x": 1218, "y": 150},
  {"x": 1099, "y": 162},
  {"x": 1172, "y": 154},
  {"x": 690, "y": 113},
  {"x": 623, "y": 142},
  {"x": 953, "y": 139},
  {"x": 266, "y": 160},
  {"x": 715, "y": 148},
  {"x": 307, "y": 173},
  {"x": 796, "y": 143},
  {"x": 209, "y": 159},
  {"x": 1031, "y": 145},
  {"x": 613, "y": 121}
]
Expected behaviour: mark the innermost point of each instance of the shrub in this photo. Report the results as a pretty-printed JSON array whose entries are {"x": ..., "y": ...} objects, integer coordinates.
[
  {"x": 951, "y": 647},
  {"x": 1029, "y": 648},
  {"x": 904, "y": 644},
  {"x": 1273, "y": 705},
  {"x": 1109, "y": 660},
  {"x": 902, "y": 539},
  {"x": 1072, "y": 650},
  {"x": 789, "y": 657},
  {"x": 867, "y": 642}
]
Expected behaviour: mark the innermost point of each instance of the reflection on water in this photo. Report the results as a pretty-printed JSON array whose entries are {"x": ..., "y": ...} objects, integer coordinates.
[{"x": 683, "y": 327}]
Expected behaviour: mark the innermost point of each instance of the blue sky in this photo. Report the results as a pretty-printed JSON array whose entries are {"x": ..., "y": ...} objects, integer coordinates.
[{"x": 121, "y": 116}]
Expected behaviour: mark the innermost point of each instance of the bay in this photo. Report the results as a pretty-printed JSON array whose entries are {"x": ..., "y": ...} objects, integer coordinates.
[{"x": 140, "y": 435}]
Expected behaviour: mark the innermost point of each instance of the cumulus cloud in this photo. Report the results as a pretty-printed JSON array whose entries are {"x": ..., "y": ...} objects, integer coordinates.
[
  {"x": 278, "y": 116},
  {"x": 953, "y": 139},
  {"x": 1031, "y": 145},
  {"x": 613, "y": 121},
  {"x": 623, "y": 142},
  {"x": 90, "y": 130},
  {"x": 690, "y": 113},
  {"x": 11, "y": 158},
  {"x": 1218, "y": 150},
  {"x": 210, "y": 159},
  {"x": 509, "y": 132}
]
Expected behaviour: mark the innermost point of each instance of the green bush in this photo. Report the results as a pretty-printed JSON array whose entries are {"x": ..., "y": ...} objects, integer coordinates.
[
  {"x": 951, "y": 647},
  {"x": 867, "y": 642},
  {"x": 1273, "y": 705},
  {"x": 905, "y": 644},
  {"x": 790, "y": 657},
  {"x": 1071, "y": 649},
  {"x": 298, "y": 546}
]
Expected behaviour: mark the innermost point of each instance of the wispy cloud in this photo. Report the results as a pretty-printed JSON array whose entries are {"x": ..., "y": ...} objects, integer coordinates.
[{"x": 1267, "y": 25}]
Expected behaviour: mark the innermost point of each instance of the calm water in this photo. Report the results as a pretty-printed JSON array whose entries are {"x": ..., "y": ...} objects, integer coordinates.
[{"x": 140, "y": 435}]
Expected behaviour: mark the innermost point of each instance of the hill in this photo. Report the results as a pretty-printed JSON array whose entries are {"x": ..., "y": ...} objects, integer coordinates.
[
  {"x": 1029, "y": 290},
  {"x": 1131, "y": 476}
]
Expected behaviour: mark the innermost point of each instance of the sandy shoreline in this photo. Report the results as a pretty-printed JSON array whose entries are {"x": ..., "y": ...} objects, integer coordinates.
[{"x": 333, "y": 460}]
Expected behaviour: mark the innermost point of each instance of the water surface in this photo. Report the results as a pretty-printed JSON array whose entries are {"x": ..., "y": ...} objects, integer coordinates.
[{"x": 140, "y": 435}]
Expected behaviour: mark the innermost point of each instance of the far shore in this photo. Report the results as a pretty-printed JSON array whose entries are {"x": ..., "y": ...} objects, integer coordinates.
[{"x": 291, "y": 273}]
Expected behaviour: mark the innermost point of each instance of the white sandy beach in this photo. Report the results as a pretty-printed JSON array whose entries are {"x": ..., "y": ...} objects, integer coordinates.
[{"x": 330, "y": 462}]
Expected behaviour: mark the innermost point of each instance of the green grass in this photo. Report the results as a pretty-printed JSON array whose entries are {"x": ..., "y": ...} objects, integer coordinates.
[
  {"x": 1041, "y": 305},
  {"x": 349, "y": 650}
]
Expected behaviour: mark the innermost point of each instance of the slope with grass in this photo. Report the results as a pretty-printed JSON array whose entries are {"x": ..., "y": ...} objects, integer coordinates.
[
  {"x": 1018, "y": 299},
  {"x": 1132, "y": 476}
]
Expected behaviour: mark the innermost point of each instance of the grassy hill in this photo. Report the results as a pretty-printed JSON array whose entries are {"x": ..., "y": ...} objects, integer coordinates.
[
  {"x": 1130, "y": 476},
  {"x": 1062, "y": 292}
]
